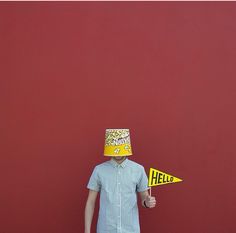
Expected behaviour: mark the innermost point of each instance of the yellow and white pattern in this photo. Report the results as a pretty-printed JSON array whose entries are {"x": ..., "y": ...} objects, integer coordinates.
[{"x": 117, "y": 142}]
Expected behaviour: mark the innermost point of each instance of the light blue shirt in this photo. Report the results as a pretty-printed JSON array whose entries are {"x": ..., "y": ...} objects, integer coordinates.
[{"x": 118, "y": 185}]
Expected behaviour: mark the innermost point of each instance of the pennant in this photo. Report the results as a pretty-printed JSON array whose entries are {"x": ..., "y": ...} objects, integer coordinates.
[{"x": 157, "y": 177}]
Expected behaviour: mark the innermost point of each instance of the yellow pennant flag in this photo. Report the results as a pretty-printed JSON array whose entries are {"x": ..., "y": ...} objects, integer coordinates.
[{"x": 157, "y": 177}]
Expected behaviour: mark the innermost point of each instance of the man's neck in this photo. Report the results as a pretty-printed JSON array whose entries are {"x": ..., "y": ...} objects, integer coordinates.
[{"x": 119, "y": 161}]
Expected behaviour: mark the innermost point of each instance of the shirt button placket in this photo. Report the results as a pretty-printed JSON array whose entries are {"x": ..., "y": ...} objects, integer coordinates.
[{"x": 119, "y": 200}]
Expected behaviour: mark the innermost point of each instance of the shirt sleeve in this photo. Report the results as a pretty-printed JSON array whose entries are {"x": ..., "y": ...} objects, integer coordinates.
[
  {"x": 143, "y": 182},
  {"x": 94, "y": 181}
]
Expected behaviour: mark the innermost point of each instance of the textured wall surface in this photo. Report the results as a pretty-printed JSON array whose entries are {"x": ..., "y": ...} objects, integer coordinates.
[{"x": 164, "y": 70}]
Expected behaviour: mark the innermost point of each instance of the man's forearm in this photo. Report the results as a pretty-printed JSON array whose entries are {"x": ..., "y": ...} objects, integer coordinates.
[
  {"x": 89, "y": 210},
  {"x": 143, "y": 197}
]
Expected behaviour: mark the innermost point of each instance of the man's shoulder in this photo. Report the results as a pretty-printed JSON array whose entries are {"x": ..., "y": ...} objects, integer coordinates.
[
  {"x": 135, "y": 164},
  {"x": 101, "y": 165}
]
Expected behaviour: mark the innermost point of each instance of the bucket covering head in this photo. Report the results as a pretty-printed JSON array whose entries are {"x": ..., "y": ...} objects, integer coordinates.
[{"x": 117, "y": 142}]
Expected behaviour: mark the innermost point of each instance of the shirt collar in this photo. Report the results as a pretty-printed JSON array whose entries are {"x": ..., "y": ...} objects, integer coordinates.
[{"x": 115, "y": 164}]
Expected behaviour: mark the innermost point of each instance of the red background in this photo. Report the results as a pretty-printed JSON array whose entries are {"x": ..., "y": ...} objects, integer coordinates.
[{"x": 164, "y": 70}]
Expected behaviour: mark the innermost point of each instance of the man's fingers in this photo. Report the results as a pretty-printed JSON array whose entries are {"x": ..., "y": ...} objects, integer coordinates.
[
  {"x": 152, "y": 205},
  {"x": 151, "y": 201},
  {"x": 149, "y": 198}
]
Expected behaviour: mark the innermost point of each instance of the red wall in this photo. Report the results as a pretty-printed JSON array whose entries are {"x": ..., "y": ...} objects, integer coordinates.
[{"x": 70, "y": 70}]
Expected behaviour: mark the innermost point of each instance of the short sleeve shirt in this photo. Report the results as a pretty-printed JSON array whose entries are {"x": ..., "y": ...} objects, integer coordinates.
[{"x": 118, "y": 185}]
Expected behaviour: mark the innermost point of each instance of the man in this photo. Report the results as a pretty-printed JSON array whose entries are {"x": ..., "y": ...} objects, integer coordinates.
[{"x": 118, "y": 180}]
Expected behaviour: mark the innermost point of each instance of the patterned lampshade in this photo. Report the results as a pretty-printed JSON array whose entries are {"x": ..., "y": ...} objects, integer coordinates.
[{"x": 117, "y": 142}]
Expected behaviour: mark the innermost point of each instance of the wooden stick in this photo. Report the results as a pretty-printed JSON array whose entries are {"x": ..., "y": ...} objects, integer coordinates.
[{"x": 150, "y": 191}]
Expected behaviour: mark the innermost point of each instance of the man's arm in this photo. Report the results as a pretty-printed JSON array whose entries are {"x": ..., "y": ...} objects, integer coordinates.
[
  {"x": 89, "y": 209},
  {"x": 143, "y": 196},
  {"x": 149, "y": 201}
]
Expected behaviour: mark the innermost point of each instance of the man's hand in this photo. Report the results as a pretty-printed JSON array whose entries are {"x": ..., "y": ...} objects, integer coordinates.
[{"x": 150, "y": 201}]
